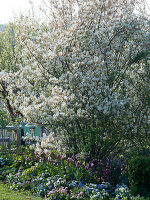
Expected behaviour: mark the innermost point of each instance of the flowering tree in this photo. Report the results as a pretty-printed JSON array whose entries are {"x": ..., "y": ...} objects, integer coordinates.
[{"x": 77, "y": 67}]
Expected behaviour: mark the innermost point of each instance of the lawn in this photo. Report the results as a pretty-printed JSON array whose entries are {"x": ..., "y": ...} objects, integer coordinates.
[{"x": 8, "y": 194}]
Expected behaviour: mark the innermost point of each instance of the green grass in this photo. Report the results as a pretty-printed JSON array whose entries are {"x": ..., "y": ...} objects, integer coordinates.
[{"x": 8, "y": 194}]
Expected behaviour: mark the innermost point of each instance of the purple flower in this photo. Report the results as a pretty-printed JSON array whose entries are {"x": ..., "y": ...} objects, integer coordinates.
[
  {"x": 63, "y": 157},
  {"x": 58, "y": 156},
  {"x": 100, "y": 163},
  {"x": 85, "y": 158},
  {"x": 70, "y": 160},
  {"x": 94, "y": 160}
]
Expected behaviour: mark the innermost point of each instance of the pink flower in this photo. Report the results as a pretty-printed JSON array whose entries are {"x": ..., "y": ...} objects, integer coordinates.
[
  {"x": 107, "y": 171},
  {"x": 92, "y": 164},
  {"x": 87, "y": 166},
  {"x": 78, "y": 163},
  {"x": 98, "y": 179}
]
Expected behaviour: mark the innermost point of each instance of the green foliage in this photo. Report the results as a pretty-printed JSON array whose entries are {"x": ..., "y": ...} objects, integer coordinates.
[
  {"x": 24, "y": 158},
  {"x": 8, "y": 48},
  {"x": 31, "y": 172},
  {"x": 142, "y": 190},
  {"x": 5, "y": 170},
  {"x": 15, "y": 119},
  {"x": 101, "y": 142},
  {"x": 141, "y": 55},
  {"x": 5, "y": 161},
  {"x": 135, "y": 152},
  {"x": 3, "y": 118},
  {"x": 6, "y": 119},
  {"x": 138, "y": 197},
  {"x": 142, "y": 91},
  {"x": 139, "y": 170}
]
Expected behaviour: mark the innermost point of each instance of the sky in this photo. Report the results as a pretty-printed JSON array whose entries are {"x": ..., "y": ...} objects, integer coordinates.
[{"x": 11, "y": 8}]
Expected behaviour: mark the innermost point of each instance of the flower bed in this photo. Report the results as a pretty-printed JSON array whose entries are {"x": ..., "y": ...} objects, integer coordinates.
[{"x": 61, "y": 177}]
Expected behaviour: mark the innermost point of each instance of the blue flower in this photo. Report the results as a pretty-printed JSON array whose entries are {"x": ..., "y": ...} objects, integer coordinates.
[
  {"x": 90, "y": 190},
  {"x": 73, "y": 184},
  {"x": 81, "y": 184},
  {"x": 99, "y": 187}
]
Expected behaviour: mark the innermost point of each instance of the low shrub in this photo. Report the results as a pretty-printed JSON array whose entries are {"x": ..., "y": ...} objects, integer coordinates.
[
  {"x": 142, "y": 190},
  {"x": 5, "y": 170},
  {"x": 139, "y": 170}
]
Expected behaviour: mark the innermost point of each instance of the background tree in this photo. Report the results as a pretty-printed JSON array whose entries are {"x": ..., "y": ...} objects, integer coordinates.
[{"x": 8, "y": 65}]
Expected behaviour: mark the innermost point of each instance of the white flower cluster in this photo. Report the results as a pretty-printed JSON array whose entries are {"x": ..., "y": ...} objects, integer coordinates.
[
  {"x": 121, "y": 188},
  {"x": 30, "y": 138},
  {"x": 48, "y": 145},
  {"x": 121, "y": 191}
]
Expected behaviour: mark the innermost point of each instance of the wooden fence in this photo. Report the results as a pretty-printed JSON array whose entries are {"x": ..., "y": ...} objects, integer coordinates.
[{"x": 4, "y": 133}]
